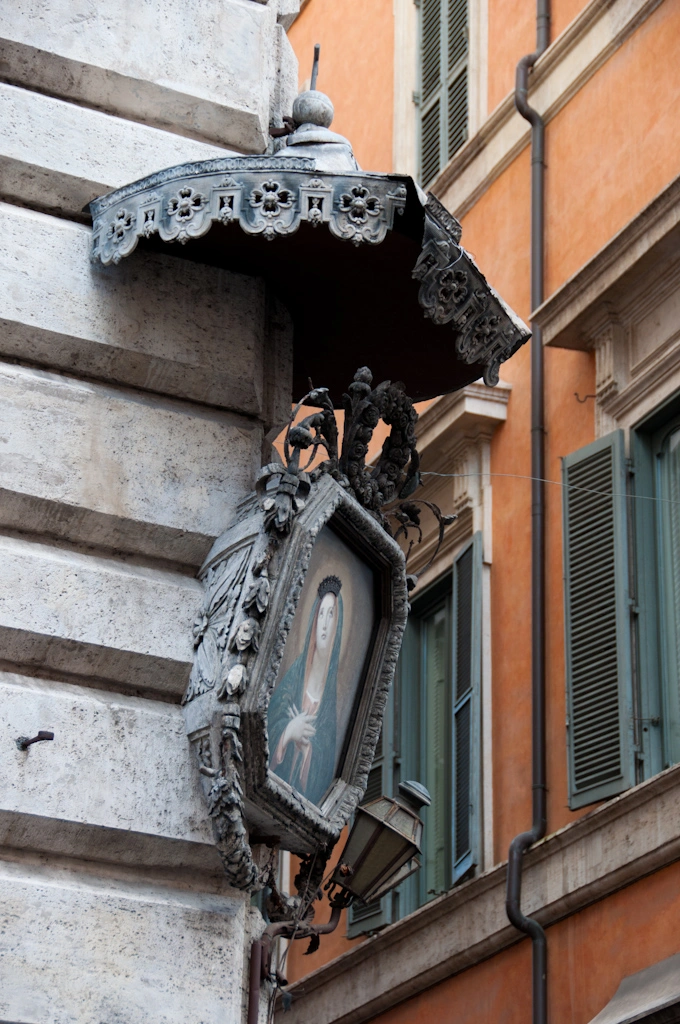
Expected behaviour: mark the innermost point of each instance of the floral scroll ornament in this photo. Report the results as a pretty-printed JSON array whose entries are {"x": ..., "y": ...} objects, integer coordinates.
[
  {"x": 453, "y": 292},
  {"x": 359, "y": 206},
  {"x": 183, "y": 207},
  {"x": 118, "y": 229},
  {"x": 270, "y": 201}
]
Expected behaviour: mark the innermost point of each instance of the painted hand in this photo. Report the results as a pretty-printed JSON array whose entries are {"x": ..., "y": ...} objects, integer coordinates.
[{"x": 300, "y": 729}]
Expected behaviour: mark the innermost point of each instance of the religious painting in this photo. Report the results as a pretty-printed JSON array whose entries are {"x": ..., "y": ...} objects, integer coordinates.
[{"x": 314, "y": 701}]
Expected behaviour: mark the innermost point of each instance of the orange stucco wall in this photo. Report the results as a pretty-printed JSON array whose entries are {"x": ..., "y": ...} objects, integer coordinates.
[
  {"x": 614, "y": 146},
  {"x": 589, "y": 953},
  {"x": 610, "y": 150},
  {"x": 503, "y": 252},
  {"x": 512, "y": 34},
  {"x": 356, "y": 69}
]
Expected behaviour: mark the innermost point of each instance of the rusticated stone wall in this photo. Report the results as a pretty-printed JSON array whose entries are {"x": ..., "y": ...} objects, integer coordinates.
[{"x": 136, "y": 403}]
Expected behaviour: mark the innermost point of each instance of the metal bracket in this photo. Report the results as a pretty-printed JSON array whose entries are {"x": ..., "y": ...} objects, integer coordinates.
[{"x": 23, "y": 742}]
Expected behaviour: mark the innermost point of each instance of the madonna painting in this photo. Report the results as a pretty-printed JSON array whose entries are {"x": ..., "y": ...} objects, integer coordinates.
[{"x": 312, "y": 705}]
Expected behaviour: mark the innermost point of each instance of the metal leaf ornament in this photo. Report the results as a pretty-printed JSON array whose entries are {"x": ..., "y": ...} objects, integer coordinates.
[{"x": 385, "y": 488}]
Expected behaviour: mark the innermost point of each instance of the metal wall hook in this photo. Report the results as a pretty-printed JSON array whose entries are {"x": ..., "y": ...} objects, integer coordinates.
[{"x": 23, "y": 742}]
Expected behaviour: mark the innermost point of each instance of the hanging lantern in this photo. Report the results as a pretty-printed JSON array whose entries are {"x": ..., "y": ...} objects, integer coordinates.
[{"x": 383, "y": 845}]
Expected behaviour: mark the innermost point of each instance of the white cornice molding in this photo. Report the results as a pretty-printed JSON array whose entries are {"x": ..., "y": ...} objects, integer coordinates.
[
  {"x": 450, "y": 417},
  {"x": 643, "y": 247},
  {"x": 613, "y": 846},
  {"x": 621, "y": 305},
  {"x": 566, "y": 66}
]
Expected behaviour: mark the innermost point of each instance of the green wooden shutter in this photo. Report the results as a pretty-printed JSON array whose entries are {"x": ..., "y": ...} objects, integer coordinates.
[
  {"x": 409, "y": 743},
  {"x": 467, "y": 658},
  {"x": 436, "y": 695},
  {"x": 368, "y": 917},
  {"x": 667, "y": 459},
  {"x": 443, "y": 95},
  {"x": 601, "y": 753}
]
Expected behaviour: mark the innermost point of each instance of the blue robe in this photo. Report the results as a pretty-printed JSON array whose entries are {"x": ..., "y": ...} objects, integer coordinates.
[{"x": 290, "y": 691}]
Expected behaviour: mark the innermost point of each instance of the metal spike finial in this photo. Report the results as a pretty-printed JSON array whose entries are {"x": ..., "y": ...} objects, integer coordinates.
[{"x": 315, "y": 65}]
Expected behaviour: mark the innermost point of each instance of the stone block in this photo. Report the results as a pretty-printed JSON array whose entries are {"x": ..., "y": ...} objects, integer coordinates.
[
  {"x": 59, "y": 156},
  {"x": 117, "y": 763},
  {"x": 120, "y": 469},
  {"x": 209, "y": 73},
  {"x": 79, "y": 948},
  {"x": 288, "y": 12},
  {"x": 96, "y": 617},
  {"x": 155, "y": 322}
]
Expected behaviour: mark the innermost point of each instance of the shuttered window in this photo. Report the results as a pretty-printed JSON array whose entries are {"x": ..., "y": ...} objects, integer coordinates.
[
  {"x": 601, "y": 750},
  {"x": 431, "y": 734},
  {"x": 655, "y": 447},
  {"x": 668, "y": 518},
  {"x": 467, "y": 626},
  {"x": 443, "y": 89}
]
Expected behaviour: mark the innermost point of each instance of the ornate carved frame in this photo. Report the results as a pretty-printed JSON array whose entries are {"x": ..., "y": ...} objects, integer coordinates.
[{"x": 252, "y": 576}]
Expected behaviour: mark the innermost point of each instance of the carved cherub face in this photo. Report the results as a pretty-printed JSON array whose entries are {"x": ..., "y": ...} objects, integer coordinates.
[{"x": 246, "y": 635}]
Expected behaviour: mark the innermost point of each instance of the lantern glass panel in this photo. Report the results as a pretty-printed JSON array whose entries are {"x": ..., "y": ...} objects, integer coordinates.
[
  {"x": 360, "y": 837},
  {"x": 387, "y": 853},
  {"x": 406, "y": 823},
  {"x": 395, "y": 879}
]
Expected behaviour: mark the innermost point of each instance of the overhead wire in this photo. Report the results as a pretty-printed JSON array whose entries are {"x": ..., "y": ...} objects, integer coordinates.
[{"x": 558, "y": 483}]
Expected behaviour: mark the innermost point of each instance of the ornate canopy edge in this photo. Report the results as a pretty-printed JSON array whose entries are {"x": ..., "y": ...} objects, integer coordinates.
[
  {"x": 272, "y": 197},
  {"x": 267, "y": 196}
]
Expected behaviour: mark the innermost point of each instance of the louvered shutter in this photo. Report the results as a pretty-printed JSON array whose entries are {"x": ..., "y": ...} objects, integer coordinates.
[
  {"x": 436, "y": 640},
  {"x": 458, "y": 112},
  {"x": 465, "y": 760},
  {"x": 367, "y": 917},
  {"x": 443, "y": 95},
  {"x": 600, "y": 741}
]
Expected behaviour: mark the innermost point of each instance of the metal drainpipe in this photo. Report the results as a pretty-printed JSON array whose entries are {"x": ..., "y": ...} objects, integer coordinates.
[{"x": 521, "y": 843}]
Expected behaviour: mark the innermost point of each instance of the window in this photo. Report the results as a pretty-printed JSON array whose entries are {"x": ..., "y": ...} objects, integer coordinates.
[
  {"x": 599, "y": 682},
  {"x": 431, "y": 734},
  {"x": 622, "y": 579},
  {"x": 443, "y": 83}
]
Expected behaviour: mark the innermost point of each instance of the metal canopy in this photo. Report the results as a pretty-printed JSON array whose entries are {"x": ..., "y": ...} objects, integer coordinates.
[{"x": 370, "y": 269}]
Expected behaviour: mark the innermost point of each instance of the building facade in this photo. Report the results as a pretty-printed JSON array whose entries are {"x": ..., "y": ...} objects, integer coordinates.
[
  {"x": 158, "y": 560},
  {"x": 428, "y": 88},
  {"x": 137, "y": 404}
]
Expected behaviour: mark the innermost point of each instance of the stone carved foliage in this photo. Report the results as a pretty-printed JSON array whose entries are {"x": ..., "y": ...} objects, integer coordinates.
[
  {"x": 120, "y": 225},
  {"x": 454, "y": 291},
  {"x": 226, "y": 638},
  {"x": 384, "y": 489},
  {"x": 212, "y": 627}
]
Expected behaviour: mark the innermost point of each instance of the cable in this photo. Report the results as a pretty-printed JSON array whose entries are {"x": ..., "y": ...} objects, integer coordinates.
[{"x": 558, "y": 483}]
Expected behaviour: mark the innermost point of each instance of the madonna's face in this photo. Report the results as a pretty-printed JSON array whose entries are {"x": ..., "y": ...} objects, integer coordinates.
[{"x": 325, "y": 621}]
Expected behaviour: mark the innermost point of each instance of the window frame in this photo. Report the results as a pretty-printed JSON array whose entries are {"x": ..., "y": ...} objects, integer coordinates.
[
  {"x": 656, "y": 716},
  {"x": 440, "y": 95},
  {"x": 403, "y": 753},
  {"x": 584, "y": 694}
]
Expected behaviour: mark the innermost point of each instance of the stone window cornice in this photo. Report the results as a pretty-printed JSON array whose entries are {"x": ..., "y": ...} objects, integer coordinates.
[{"x": 623, "y": 305}]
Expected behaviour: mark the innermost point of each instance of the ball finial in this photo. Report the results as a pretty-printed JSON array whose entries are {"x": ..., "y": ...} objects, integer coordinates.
[{"x": 312, "y": 106}]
